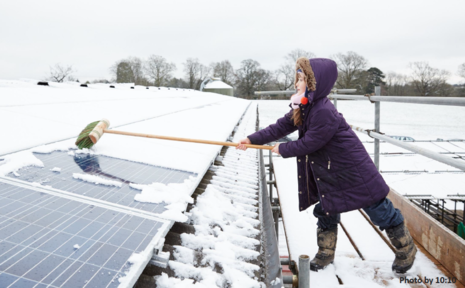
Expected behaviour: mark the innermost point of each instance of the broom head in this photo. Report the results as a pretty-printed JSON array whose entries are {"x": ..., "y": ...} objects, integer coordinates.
[{"x": 91, "y": 134}]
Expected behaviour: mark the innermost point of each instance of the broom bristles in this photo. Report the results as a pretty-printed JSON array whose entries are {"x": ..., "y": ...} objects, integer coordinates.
[{"x": 83, "y": 140}]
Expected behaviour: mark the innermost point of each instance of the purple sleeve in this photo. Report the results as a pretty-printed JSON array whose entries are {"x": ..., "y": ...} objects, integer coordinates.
[
  {"x": 323, "y": 126},
  {"x": 281, "y": 128}
]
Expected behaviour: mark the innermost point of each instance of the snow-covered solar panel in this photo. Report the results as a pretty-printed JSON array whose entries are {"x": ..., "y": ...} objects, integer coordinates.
[
  {"x": 60, "y": 167},
  {"x": 51, "y": 240}
]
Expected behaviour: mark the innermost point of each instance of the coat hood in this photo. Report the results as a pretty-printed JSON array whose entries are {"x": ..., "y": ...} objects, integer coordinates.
[{"x": 321, "y": 74}]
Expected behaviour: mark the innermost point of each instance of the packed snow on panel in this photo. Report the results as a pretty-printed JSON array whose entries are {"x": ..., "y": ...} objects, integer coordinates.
[{"x": 96, "y": 180}]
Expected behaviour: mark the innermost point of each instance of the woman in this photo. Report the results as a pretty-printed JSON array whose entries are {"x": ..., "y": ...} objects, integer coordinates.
[{"x": 334, "y": 168}]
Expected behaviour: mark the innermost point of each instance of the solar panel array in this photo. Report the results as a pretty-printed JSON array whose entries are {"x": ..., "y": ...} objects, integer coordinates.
[
  {"x": 119, "y": 170},
  {"x": 48, "y": 239}
]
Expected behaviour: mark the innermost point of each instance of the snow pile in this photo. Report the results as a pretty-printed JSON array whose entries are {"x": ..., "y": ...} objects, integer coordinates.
[
  {"x": 225, "y": 219},
  {"x": 168, "y": 193},
  {"x": 96, "y": 180},
  {"x": 76, "y": 246},
  {"x": 56, "y": 169},
  {"x": 13, "y": 162},
  {"x": 177, "y": 195}
]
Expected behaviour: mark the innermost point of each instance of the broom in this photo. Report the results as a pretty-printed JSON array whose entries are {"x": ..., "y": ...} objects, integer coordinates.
[{"x": 95, "y": 130}]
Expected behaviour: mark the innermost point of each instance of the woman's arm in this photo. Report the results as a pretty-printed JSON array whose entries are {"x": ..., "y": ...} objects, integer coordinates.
[
  {"x": 281, "y": 128},
  {"x": 323, "y": 126}
]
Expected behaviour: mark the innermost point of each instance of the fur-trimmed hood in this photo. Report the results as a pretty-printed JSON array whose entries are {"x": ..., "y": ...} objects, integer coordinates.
[{"x": 320, "y": 74}]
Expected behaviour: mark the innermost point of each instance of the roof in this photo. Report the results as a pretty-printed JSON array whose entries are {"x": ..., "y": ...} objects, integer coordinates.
[
  {"x": 216, "y": 84},
  {"x": 222, "y": 244},
  {"x": 145, "y": 179}
]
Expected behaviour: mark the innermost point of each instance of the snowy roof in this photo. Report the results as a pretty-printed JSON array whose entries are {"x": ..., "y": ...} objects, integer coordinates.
[
  {"x": 51, "y": 117},
  {"x": 217, "y": 85}
]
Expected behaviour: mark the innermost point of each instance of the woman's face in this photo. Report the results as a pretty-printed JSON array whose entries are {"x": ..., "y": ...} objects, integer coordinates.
[{"x": 301, "y": 84}]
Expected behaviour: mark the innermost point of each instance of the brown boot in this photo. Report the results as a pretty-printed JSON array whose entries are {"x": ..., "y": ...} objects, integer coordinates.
[
  {"x": 406, "y": 250},
  {"x": 327, "y": 246}
]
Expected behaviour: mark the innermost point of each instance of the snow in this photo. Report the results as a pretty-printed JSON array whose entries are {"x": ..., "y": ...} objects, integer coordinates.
[
  {"x": 16, "y": 161},
  {"x": 168, "y": 193},
  {"x": 217, "y": 85},
  {"x": 225, "y": 224},
  {"x": 49, "y": 114},
  {"x": 56, "y": 169},
  {"x": 96, "y": 180},
  {"x": 275, "y": 281},
  {"x": 193, "y": 116},
  {"x": 138, "y": 261},
  {"x": 51, "y": 118},
  {"x": 76, "y": 246}
]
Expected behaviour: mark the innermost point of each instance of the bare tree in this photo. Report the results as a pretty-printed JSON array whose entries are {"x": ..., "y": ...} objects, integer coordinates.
[
  {"x": 129, "y": 70},
  {"x": 396, "y": 84},
  {"x": 295, "y": 54},
  {"x": 461, "y": 71},
  {"x": 350, "y": 68},
  {"x": 195, "y": 72},
  {"x": 159, "y": 70},
  {"x": 224, "y": 70},
  {"x": 284, "y": 75},
  {"x": 250, "y": 78},
  {"x": 427, "y": 80},
  {"x": 58, "y": 73}
]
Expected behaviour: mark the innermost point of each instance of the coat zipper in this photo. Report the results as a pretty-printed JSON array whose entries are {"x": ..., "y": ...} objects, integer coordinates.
[{"x": 306, "y": 171}]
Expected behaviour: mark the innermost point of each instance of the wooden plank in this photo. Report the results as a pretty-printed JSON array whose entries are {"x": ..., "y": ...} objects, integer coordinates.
[{"x": 443, "y": 244}]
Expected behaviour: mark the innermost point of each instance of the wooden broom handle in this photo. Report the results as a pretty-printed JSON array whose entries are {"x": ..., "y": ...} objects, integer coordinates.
[{"x": 186, "y": 139}]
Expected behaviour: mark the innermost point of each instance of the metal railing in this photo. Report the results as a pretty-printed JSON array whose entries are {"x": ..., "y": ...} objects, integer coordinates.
[
  {"x": 290, "y": 92},
  {"x": 376, "y": 132}
]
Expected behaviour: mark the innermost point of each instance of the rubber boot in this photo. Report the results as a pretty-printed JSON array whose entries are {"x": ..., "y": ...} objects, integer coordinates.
[
  {"x": 406, "y": 250},
  {"x": 327, "y": 246}
]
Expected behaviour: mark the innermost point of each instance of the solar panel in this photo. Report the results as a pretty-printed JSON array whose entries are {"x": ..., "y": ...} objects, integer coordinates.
[
  {"x": 52, "y": 240},
  {"x": 122, "y": 171}
]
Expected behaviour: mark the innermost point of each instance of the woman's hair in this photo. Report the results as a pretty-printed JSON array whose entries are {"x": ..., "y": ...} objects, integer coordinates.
[{"x": 296, "y": 115}]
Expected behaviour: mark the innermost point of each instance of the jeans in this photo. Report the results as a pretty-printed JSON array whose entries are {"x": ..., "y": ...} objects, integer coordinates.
[{"x": 382, "y": 214}]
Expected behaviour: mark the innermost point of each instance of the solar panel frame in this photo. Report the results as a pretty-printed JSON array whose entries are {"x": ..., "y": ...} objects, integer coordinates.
[{"x": 29, "y": 196}]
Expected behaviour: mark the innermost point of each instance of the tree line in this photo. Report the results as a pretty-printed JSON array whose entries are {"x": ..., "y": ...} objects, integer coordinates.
[{"x": 353, "y": 72}]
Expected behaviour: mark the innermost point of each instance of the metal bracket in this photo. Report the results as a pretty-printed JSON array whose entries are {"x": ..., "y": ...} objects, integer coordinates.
[
  {"x": 373, "y": 130},
  {"x": 161, "y": 259},
  {"x": 369, "y": 95}
]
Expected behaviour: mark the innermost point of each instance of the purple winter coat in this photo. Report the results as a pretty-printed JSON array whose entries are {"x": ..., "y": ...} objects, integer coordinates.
[{"x": 329, "y": 155}]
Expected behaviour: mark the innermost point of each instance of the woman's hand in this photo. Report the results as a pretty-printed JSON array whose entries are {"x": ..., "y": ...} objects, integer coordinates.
[
  {"x": 241, "y": 145},
  {"x": 276, "y": 149}
]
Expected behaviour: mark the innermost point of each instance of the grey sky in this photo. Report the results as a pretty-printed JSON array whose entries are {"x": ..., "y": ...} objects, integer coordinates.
[{"x": 92, "y": 35}]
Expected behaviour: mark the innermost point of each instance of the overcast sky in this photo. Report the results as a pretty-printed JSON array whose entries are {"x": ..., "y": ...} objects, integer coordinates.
[{"x": 93, "y": 35}]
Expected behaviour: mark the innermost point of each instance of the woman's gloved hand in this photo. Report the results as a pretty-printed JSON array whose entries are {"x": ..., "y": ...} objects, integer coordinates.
[{"x": 241, "y": 145}]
